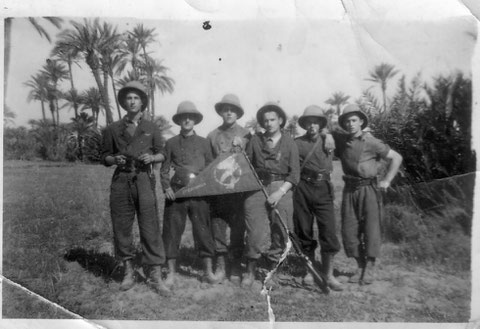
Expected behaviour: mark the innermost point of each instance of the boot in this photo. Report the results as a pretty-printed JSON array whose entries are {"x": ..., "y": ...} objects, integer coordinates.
[
  {"x": 155, "y": 282},
  {"x": 368, "y": 271},
  {"x": 128, "y": 279},
  {"x": 327, "y": 265},
  {"x": 236, "y": 272},
  {"x": 249, "y": 276},
  {"x": 172, "y": 272},
  {"x": 358, "y": 273},
  {"x": 220, "y": 267},
  {"x": 208, "y": 275}
]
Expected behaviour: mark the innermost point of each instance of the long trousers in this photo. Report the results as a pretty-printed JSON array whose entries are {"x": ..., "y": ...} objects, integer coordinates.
[
  {"x": 227, "y": 210},
  {"x": 361, "y": 222},
  {"x": 174, "y": 222},
  {"x": 132, "y": 193},
  {"x": 315, "y": 202},
  {"x": 264, "y": 233}
]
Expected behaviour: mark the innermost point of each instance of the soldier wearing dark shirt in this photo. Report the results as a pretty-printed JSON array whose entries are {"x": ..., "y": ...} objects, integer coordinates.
[
  {"x": 274, "y": 157},
  {"x": 360, "y": 153},
  {"x": 187, "y": 154},
  {"x": 313, "y": 196},
  {"x": 228, "y": 209},
  {"x": 134, "y": 144}
]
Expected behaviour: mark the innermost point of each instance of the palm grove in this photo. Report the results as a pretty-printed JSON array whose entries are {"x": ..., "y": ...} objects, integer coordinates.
[{"x": 429, "y": 123}]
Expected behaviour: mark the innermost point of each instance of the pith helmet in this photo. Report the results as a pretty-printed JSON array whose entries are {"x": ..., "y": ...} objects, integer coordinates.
[
  {"x": 353, "y": 109},
  {"x": 230, "y": 99},
  {"x": 312, "y": 111},
  {"x": 268, "y": 107},
  {"x": 135, "y": 86},
  {"x": 187, "y": 107}
]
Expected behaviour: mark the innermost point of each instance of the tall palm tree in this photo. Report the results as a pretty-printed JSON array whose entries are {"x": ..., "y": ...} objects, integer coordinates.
[
  {"x": 68, "y": 54},
  {"x": 72, "y": 99},
  {"x": 338, "y": 99},
  {"x": 381, "y": 74},
  {"x": 91, "y": 99},
  {"x": 88, "y": 40},
  {"x": 80, "y": 129},
  {"x": 114, "y": 62},
  {"x": 111, "y": 41},
  {"x": 55, "y": 72},
  {"x": 145, "y": 36},
  {"x": 38, "y": 84},
  {"x": 155, "y": 78}
]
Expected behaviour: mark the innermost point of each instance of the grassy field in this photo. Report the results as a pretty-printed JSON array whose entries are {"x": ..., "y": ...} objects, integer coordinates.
[{"x": 57, "y": 244}]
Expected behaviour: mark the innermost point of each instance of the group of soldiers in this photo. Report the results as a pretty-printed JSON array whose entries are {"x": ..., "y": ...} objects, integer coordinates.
[{"x": 295, "y": 175}]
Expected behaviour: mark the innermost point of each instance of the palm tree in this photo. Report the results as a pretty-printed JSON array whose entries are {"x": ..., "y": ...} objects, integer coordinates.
[
  {"x": 114, "y": 62},
  {"x": 55, "y": 72},
  {"x": 338, "y": 99},
  {"x": 68, "y": 54},
  {"x": 38, "y": 84},
  {"x": 381, "y": 74},
  {"x": 88, "y": 40},
  {"x": 155, "y": 78},
  {"x": 56, "y": 21},
  {"x": 81, "y": 128},
  {"x": 110, "y": 43},
  {"x": 129, "y": 53},
  {"x": 73, "y": 99},
  {"x": 92, "y": 100},
  {"x": 144, "y": 37}
]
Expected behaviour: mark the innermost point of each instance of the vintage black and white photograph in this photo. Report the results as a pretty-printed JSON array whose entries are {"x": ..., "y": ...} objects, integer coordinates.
[{"x": 241, "y": 163}]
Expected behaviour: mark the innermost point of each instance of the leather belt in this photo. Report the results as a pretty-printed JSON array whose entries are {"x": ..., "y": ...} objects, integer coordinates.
[
  {"x": 267, "y": 177},
  {"x": 311, "y": 176},
  {"x": 353, "y": 182}
]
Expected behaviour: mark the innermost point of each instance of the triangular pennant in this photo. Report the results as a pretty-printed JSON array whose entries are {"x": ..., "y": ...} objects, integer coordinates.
[{"x": 229, "y": 173}]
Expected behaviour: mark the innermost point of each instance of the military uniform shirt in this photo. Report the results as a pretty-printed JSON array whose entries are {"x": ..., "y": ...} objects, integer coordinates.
[
  {"x": 192, "y": 153},
  {"x": 222, "y": 137},
  {"x": 282, "y": 159},
  {"x": 146, "y": 139},
  {"x": 360, "y": 155},
  {"x": 320, "y": 160}
]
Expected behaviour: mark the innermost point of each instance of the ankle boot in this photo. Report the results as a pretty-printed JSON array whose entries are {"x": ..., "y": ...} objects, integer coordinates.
[
  {"x": 208, "y": 275},
  {"x": 249, "y": 276},
  {"x": 155, "y": 281},
  {"x": 355, "y": 278},
  {"x": 172, "y": 273},
  {"x": 220, "y": 267},
  {"x": 128, "y": 276},
  {"x": 368, "y": 271},
  {"x": 308, "y": 279},
  {"x": 327, "y": 265},
  {"x": 236, "y": 270}
]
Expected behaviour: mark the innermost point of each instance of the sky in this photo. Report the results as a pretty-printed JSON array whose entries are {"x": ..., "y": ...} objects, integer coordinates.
[{"x": 265, "y": 54}]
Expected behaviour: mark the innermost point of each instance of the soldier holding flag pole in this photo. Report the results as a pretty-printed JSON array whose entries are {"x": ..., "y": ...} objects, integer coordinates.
[
  {"x": 228, "y": 209},
  {"x": 274, "y": 157}
]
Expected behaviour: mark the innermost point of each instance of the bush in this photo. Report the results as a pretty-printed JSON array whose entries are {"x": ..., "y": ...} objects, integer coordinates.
[{"x": 19, "y": 144}]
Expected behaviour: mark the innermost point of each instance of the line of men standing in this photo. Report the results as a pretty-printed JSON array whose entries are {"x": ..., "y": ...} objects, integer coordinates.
[{"x": 295, "y": 174}]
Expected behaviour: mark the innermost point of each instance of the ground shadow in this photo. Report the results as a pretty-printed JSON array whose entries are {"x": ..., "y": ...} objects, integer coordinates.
[{"x": 99, "y": 264}]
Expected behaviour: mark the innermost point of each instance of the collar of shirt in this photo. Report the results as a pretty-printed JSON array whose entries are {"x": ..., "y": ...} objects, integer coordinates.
[
  {"x": 128, "y": 121},
  {"x": 228, "y": 128},
  {"x": 274, "y": 139},
  {"x": 187, "y": 136}
]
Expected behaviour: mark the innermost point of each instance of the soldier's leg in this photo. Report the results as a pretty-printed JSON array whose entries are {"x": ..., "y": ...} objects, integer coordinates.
[
  {"x": 219, "y": 233},
  {"x": 149, "y": 223},
  {"x": 199, "y": 214},
  {"x": 122, "y": 212},
  {"x": 174, "y": 220},
  {"x": 236, "y": 220},
  {"x": 257, "y": 238},
  {"x": 279, "y": 235},
  {"x": 372, "y": 232},
  {"x": 329, "y": 243},
  {"x": 303, "y": 225},
  {"x": 351, "y": 233}
]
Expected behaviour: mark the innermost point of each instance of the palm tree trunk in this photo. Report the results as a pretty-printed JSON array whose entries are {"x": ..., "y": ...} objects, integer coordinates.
[
  {"x": 57, "y": 110},
  {"x": 152, "y": 101},
  {"x": 91, "y": 62},
  {"x": 75, "y": 105},
  {"x": 108, "y": 111},
  {"x": 115, "y": 95},
  {"x": 52, "y": 110},
  {"x": 43, "y": 111}
]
